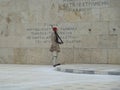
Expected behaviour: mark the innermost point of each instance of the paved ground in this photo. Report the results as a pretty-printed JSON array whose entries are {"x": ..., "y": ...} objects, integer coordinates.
[
  {"x": 40, "y": 77},
  {"x": 104, "y": 69}
]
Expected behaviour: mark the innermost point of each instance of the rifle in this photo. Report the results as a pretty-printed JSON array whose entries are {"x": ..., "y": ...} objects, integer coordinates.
[{"x": 57, "y": 37}]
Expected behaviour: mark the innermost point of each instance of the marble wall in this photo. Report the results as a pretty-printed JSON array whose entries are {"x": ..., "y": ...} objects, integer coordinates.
[{"x": 90, "y": 30}]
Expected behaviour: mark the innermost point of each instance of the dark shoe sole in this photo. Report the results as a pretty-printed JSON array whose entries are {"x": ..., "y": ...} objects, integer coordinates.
[{"x": 56, "y": 65}]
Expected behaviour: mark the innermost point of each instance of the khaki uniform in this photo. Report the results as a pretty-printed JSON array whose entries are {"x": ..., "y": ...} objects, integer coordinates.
[{"x": 55, "y": 46}]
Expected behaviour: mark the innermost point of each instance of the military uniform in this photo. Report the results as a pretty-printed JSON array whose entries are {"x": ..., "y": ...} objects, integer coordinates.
[{"x": 55, "y": 48}]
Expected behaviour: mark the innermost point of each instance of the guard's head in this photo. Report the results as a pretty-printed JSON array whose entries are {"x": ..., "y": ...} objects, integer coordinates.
[{"x": 55, "y": 28}]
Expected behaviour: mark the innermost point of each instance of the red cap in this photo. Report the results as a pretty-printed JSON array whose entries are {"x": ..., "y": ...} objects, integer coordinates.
[{"x": 54, "y": 28}]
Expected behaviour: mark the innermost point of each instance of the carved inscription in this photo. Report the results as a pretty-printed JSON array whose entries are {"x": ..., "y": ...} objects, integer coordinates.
[
  {"x": 41, "y": 35},
  {"x": 78, "y": 5}
]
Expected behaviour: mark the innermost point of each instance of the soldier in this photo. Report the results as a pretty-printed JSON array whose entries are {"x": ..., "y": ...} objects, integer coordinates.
[{"x": 55, "y": 48}]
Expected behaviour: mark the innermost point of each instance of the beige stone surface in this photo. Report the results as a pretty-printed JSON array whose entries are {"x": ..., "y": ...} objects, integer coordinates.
[
  {"x": 114, "y": 3},
  {"x": 119, "y": 41},
  {"x": 82, "y": 55},
  {"x": 108, "y": 41},
  {"x": 83, "y": 28},
  {"x": 89, "y": 41},
  {"x": 32, "y": 56},
  {"x": 110, "y": 14},
  {"x": 100, "y": 28},
  {"x": 114, "y": 56},
  {"x": 6, "y": 55},
  {"x": 99, "y": 56},
  {"x": 87, "y": 30},
  {"x": 7, "y": 6},
  {"x": 114, "y": 27},
  {"x": 22, "y": 5},
  {"x": 66, "y": 56}
]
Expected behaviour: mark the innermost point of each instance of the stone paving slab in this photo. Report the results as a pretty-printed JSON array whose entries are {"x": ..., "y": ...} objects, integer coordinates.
[
  {"x": 103, "y": 69},
  {"x": 45, "y": 77},
  {"x": 83, "y": 86}
]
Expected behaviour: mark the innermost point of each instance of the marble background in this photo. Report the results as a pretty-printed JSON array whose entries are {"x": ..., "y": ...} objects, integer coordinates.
[{"x": 90, "y": 30}]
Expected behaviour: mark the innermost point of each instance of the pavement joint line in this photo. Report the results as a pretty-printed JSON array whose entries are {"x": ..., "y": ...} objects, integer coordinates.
[{"x": 87, "y": 71}]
